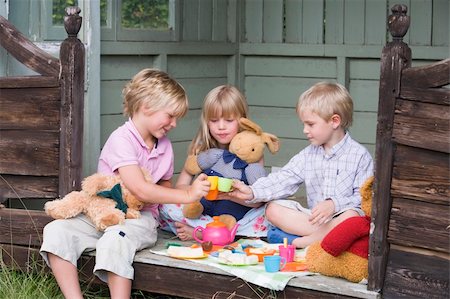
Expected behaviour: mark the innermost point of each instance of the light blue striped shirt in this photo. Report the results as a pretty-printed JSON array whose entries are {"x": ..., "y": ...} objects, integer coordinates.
[{"x": 337, "y": 175}]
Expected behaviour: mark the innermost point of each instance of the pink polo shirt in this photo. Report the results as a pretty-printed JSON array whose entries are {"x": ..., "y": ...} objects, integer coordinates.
[{"x": 125, "y": 146}]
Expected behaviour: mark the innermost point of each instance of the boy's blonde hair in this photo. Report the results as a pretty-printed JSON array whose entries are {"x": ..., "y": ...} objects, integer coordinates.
[
  {"x": 326, "y": 99},
  {"x": 155, "y": 90},
  {"x": 222, "y": 101}
]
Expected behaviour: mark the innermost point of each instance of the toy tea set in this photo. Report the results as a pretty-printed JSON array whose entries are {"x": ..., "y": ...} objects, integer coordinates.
[{"x": 218, "y": 241}]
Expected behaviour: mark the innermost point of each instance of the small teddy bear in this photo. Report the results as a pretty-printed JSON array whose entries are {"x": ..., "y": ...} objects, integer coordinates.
[
  {"x": 344, "y": 250},
  {"x": 103, "y": 199},
  {"x": 240, "y": 161}
]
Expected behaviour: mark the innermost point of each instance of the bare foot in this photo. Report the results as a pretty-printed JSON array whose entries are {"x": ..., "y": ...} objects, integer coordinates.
[
  {"x": 299, "y": 242},
  {"x": 184, "y": 231}
]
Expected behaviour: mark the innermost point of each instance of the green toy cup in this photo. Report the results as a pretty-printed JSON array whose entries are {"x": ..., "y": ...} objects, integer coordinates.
[{"x": 224, "y": 184}]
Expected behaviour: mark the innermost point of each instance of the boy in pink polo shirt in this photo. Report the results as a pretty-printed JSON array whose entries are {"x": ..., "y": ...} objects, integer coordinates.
[{"x": 154, "y": 102}]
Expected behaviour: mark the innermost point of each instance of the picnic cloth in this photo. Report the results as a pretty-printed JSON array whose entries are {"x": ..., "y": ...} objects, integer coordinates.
[{"x": 252, "y": 273}]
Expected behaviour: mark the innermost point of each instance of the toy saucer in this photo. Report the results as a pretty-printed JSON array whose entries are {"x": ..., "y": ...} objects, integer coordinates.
[
  {"x": 294, "y": 267},
  {"x": 188, "y": 257},
  {"x": 236, "y": 264},
  {"x": 259, "y": 252}
]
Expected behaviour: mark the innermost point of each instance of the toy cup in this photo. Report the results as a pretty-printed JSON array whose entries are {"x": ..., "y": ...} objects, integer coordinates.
[
  {"x": 274, "y": 263},
  {"x": 225, "y": 184},
  {"x": 287, "y": 252},
  {"x": 212, "y": 194},
  {"x": 213, "y": 180}
]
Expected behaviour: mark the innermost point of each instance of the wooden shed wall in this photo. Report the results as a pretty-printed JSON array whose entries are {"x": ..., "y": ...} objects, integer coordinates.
[
  {"x": 420, "y": 188},
  {"x": 41, "y": 119},
  {"x": 282, "y": 48},
  {"x": 409, "y": 243},
  {"x": 273, "y": 50}
]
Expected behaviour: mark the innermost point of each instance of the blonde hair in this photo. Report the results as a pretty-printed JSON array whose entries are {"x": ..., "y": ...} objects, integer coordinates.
[
  {"x": 223, "y": 101},
  {"x": 326, "y": 99},
  {"x": 155, "y": 90}
]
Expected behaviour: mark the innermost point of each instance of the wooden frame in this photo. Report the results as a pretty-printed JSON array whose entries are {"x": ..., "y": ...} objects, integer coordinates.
[
  {"x": 411, "y": 100},
  {"x": 41, "y": 120},
  {"x": 412, "y": 173}
]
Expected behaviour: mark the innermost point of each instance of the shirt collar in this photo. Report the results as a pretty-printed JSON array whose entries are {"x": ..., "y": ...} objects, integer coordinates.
[
  {"x": 338, "y": 148},
  {"x": 132, "y": 128}
]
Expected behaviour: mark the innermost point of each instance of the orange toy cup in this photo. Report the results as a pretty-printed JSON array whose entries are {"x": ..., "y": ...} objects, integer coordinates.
[
  {"x": 213, "y": 192},
  {"x": 212, "y": 195}
]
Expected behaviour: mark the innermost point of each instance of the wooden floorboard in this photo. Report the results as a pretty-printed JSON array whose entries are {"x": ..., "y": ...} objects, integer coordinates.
[{"x": 164, "y": 275}]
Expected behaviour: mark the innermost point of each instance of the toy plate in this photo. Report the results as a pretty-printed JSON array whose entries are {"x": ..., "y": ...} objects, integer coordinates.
[
  {"x": 295, "y": 266},
  {"x": 233, "y": 264},
  {"x": 261, "y": 255},
  {"x": 189, "y": 258}
]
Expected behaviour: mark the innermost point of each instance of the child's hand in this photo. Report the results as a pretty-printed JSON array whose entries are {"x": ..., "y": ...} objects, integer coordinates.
[
  {"x": 241, "y": 191},
  {"x": 199, "y": 188},
  {"x": 322, "y": 212}
]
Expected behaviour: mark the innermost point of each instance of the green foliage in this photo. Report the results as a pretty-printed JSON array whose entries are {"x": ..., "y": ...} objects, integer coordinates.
[
  {"x": 59, "y": 12},
  {"x": 136, "y": 14},
  {"x": 139, "y": 14}
]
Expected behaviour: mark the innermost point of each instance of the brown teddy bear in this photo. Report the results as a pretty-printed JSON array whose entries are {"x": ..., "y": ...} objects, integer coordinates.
[
  {"x": 240, "y": 161},
  {"x": 344, "y": 250},
  {"x": 103, "y": 199}
]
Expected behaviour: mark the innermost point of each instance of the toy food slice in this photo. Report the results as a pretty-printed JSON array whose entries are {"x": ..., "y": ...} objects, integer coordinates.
[
  {"x": 183, "y": 252},
  {"x": 236, "y": 259},
  {"x": 259, "y": 252},
  {"x": 295, "y": 266}
]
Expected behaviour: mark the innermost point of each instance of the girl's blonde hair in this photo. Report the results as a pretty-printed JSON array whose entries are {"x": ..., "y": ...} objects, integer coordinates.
[
  {"x": 155, "y": 90},
  {"x": 223, "y": 101},
  {"x": 326, "y": 99}
]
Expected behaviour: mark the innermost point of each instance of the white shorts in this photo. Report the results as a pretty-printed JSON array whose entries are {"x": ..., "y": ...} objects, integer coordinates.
[
  {"x": 115, "y": 247},
  {"x": 295, "y": 205}
]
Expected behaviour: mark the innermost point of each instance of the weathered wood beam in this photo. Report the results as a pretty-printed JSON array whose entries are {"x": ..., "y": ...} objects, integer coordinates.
[
  {"x": 396, "y": 56},
  {"x": 166, "y": 280},
  {"x": 421, "y": 175},
  {"x": 72, "y": 105},
  {"x": 427, "y": 95},
  {"x": 416, "y": 275},
  {"x": 19, "y": 187},
  {"x": 22, "y": 227},
  {"x": 28, "y": 152},
  {"x": 28, "y": 82},
  {"x": 26, "y": 52},
  {"x": 30, "y": 109},
  {"x": 422, "y": 125},
  {"x": 432, "y": 75},
  {"x": 411, "y": 221}
]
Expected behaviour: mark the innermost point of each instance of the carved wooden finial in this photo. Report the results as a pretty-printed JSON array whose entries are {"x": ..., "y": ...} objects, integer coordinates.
[
  {"x": 72, "y": 20},
  {"x": 398, "y": 22}
]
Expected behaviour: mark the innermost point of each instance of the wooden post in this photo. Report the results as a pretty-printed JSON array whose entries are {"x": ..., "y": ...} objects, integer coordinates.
[
  {"x": 395, "y": 57},
  {"x": 72, "y": 104}
]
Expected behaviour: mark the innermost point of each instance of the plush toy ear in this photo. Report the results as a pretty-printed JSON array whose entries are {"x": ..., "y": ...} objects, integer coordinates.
[
  {"x": 191, "y": 165},
  {"x": 273, "y": 144},
  {"x": 248, "y": 125},
  {"x": 98, "y": 182},
  {"x": 366, "y": 193}
]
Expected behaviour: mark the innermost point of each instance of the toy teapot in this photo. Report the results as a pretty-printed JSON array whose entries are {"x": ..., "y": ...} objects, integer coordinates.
[{"x": 216, "y": 232}]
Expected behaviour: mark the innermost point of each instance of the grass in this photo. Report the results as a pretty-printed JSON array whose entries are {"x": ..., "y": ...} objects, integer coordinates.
[
  {"x": 37, "y": 283},
  {"x": 17, "y": 284}
]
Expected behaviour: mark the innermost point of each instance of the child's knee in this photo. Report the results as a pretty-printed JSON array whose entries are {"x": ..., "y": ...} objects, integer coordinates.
[
  {"x": 350, "y": 213},
  {"x": 272, "y": 211},
  {"x": 115, "y": 244},
  {"x": 347, "y": 214}
]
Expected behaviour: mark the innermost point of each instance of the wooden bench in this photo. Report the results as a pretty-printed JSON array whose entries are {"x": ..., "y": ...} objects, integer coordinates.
[{"x": 408, "y": 198}]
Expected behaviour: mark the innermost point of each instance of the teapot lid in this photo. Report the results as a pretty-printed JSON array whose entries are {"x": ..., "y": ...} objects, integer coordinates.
[{"x": 216, "y": 223}]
